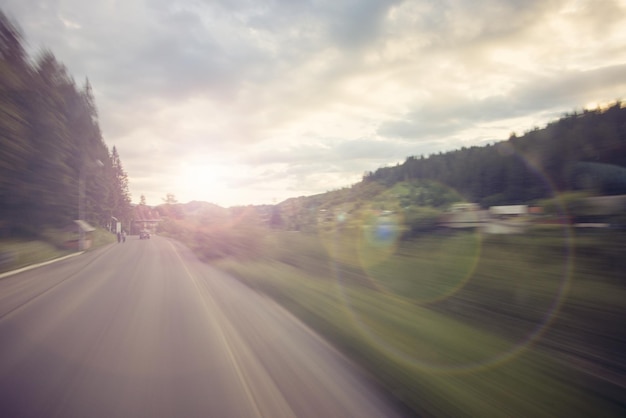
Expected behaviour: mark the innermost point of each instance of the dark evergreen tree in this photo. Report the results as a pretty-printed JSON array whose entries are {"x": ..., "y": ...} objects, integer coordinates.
[
  {"x": 54, "y": 164},
  {"x": 528, "y": 167},
  {"x": 16, "y": 148},
  {"x": 120, "y": 196}
]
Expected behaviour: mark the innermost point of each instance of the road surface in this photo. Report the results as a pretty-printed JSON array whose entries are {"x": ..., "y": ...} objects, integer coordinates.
[{"x": 144, "y": 329}]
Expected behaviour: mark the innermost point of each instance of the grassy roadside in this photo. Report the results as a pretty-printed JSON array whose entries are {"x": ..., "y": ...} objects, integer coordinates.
[
  {"x": 18, "y": 253},
  {"x": 461, "y": 325}
]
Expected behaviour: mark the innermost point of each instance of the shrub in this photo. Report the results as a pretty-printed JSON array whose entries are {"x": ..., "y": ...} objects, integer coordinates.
[{"x": 420, "y": 219}]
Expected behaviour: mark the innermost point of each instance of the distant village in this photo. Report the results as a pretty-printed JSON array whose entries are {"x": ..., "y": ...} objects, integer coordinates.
[
  {"x": 511, "y": 219},
  {"x": 504, "y": 219}
]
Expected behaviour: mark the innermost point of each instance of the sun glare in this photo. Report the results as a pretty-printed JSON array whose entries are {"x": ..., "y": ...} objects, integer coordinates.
[
  {"x": 200, "y": 181},
  {"x": 592, "y": 105},
  {"x": 595, "y": 105}
]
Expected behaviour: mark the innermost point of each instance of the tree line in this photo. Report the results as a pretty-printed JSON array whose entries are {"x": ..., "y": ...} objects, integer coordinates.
[
  {"x": 580, "y": 151},
  {"x": 54, "y": 163}
]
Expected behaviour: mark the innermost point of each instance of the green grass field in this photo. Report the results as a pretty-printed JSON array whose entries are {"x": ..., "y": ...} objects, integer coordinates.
[
  {"x": 460, "y": 324},
  {"x": 22, "y": 252}
]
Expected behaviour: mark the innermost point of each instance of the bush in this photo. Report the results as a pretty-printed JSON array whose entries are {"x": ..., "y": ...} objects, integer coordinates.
[
  {"x": 566, "y": 204},
  {"x": 420, "y": 219},
  {"x": 239, "y": 236}
]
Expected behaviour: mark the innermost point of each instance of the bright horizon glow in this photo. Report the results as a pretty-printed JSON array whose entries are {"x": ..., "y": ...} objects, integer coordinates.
[{"x": 202, "y": 180}]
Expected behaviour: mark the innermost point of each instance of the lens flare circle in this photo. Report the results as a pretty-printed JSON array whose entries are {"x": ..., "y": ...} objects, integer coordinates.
[{"x": 382, "y": 236}]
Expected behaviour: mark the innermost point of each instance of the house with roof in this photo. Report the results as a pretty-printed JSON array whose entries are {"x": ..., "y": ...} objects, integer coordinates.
[
  {"x": 144, "y": 218},
  {"x": 508, "y": 211}
]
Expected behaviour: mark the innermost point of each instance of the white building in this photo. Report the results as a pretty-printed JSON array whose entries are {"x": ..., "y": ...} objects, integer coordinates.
[{"x": 509, "y": 211}]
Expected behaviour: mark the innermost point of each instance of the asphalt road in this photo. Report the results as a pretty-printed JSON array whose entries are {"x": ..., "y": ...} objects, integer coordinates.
[{"x": 144, "y": 329}]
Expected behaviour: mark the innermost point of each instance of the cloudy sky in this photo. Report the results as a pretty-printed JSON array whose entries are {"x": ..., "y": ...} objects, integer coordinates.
[{"x": 254, "y": 101}]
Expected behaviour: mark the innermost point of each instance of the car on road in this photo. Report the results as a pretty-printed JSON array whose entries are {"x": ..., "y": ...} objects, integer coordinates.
[{"x": 144, "y": 234}]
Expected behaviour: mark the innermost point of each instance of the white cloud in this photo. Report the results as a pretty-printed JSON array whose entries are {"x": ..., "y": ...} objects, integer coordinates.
[{"x": 279, "y": 98}]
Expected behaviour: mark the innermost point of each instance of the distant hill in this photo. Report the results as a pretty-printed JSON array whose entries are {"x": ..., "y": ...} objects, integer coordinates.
[
  {"x": 580, "y": 151},
  {"x": 196, "y": 207},
  {"x": 193, "y": 209}
]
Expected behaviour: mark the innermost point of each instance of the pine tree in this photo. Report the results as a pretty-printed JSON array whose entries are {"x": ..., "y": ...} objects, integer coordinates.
[
  {"x": 120, "y": 194},
  {"x": 54, "y": 163},
  {"x": 15, "y": 143}
]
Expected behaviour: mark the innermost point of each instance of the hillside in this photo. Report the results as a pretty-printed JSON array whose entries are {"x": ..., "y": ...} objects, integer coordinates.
[{"x": 579, "y": 152}]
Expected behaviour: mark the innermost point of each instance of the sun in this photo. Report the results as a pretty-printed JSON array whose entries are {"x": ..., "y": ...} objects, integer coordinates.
[{"x": 201, "y": 181}]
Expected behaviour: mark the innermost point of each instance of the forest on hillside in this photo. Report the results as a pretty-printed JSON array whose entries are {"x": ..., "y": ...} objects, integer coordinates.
[
  {"x": 54, "y": 163},
  {"x": 580, "y": 151}
]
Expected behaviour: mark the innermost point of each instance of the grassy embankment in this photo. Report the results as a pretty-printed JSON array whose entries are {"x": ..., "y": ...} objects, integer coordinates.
[
  {"x": 462, "y": 324},
  {"x": 22, "y": 252}
]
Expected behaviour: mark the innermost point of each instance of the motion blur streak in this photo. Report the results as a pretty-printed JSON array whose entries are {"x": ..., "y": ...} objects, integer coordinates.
[{"x": 459, "y": 323}]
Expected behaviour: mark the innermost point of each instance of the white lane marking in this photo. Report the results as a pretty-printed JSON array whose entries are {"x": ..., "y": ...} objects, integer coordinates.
[
  {"x": 34, "y": 266},
  {"x": 222, "y": 336}
]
